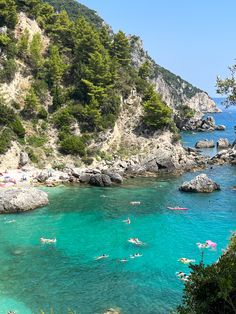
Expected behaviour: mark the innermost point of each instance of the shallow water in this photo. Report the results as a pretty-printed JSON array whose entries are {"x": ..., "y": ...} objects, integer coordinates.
[{"x": 88, "y": 222}]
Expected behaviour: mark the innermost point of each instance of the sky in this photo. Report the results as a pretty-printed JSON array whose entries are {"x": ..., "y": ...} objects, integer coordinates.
[{"x": 192, "y": 38}]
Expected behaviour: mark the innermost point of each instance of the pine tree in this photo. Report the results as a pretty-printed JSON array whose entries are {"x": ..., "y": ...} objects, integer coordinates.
[
  {"x": 121, "y": 49},
  {"x": 8, "y": 13}
]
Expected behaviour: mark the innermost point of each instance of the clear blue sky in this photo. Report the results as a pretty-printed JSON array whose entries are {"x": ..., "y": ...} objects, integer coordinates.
[{"x": 193, "y": 38}]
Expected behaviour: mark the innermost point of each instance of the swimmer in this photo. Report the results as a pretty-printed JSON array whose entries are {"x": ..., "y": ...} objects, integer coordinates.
[
  {"x": 124, "y": 260},
  {"x": 182, "y": 276},
  {"x": 48, "y": 241},
  {"x": 202, "y": 245},
  {"x": 186, "y": 260},
  {"x": 136, "y": 255},
  {"x": 101, "y": 257},
  {"x": 10, "y": 221},
  {"x": 127, "y": 221},
  {"x": 136, "y": 241},
  {"x": 135, "y": 203}
]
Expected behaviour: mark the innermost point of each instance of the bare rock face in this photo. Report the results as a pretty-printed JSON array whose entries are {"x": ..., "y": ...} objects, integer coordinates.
[
  {"x": 21, "y": 200},
  {"x": 200, "y": 184},
  {"x": 205, "y": 144},
  {"x": 223, "y": 143}
]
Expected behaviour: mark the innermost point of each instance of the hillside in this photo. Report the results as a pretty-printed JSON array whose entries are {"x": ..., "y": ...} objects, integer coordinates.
[{"x": 74, "y": 92}]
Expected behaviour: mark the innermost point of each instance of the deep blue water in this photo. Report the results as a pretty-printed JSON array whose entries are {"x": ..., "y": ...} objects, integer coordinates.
[{"x": 87, "y": 222}]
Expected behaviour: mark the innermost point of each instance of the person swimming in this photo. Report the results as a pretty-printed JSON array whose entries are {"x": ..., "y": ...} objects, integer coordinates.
[
  {"x": 136, "y": 241},
  {"x": 127, "y": 221},
  {"x": 101, "y": 257},
  {"x": 48, "y": 241},
  {"x": 135, "y": 203},
  {"x": 182, "y": 276},
  {"x": 136, "y": 255},
  {"x": 186, "y": 260},
  {"x": 124, "y": 260}
]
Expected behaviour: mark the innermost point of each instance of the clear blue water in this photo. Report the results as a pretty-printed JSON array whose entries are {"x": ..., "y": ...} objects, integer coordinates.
[
  {"x": 87, "y": 224},
  {"x": 226, "y": 117}
]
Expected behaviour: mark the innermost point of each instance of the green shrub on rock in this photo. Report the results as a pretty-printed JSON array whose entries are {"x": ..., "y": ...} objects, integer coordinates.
[{"x": 73, "y": 145}]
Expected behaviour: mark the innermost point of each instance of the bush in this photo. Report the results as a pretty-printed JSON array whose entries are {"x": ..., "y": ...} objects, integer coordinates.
[
  {"x": 18, "y": 128},
  {"x": 212, "y": 289},
  {"x": 73, "y": 145},
  {"x": 5, "y": 140},
  {"x": 37, "y": 141},
  {"x": 42, "y": 114},
  {"x": 8, "y": 72},
  {"x": 62, "y": 118}
]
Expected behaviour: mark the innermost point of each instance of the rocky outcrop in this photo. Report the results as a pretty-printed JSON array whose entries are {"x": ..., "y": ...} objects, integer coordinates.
[
  {"x": 200, "y": 184},
  {"x": 205, "y": 144},
  {"x": 223, "y": 143},
  {"x": 100, "y": 180},
  {"x": 203, "y": 125},
  {"x": 21, "y": 200},
  {"x": 225, "y": 156}
]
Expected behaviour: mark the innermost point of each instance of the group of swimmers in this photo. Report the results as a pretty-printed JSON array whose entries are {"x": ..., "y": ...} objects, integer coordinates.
[{"x": 134, "y": 241}]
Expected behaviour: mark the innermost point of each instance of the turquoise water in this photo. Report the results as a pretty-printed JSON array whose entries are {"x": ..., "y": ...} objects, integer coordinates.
[
  {"x": 226, "y": 117},
  {"x": 88, "y": 222}
]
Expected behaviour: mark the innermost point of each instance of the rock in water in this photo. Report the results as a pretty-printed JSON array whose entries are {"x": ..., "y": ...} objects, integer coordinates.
[
  {"x": 100, "y": 180},
  {"x": 201, "y": 184},
  {"x": 21, "y": 200},
  {"x": 223, "y": 143},
  {"x": 205, "y": 144}
]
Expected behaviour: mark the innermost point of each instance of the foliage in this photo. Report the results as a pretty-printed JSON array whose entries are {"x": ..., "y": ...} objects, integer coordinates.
[
  {"x": 73, "y": 145},
  {"x": 8, "y": 71},
  {"x": 227, "y": 87},
  {"x": 37, "y": 141},
  {"x": 31, "y": 104},
  {"x": 157, "y": 114},
  {"x": 9, "y": 119},
  {"x": 185, "y": 112},
  {"x": 212, "y": 289},
  {"x": 5, "y": 140},
  {"x": 35, "y": 52},
  {"x": 121, "y": 49},
  {"x": 8, "y": 14}
]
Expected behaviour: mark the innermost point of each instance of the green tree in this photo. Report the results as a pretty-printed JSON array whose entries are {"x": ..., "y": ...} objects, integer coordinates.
[
  {"x": 31, "y": 104},
  {"x": 23, "y": 45},
  {"x": 157, "y": 114},
  {"x": 35, "y": 51},
  {"x": 121, "y": 49},
  {"x": 227, "y": 87},
  {"x": 145, "y": 70},
  {"x": 73, "y": 145},
  {"x": 55, "y": 66},
  {"x": 8, "y": 13}
]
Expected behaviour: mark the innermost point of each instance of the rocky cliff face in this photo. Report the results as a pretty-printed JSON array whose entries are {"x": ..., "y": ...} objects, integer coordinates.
[{"x": 174, "y": 90}]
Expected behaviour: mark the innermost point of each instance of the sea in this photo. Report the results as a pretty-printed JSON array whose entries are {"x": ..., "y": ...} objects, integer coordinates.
[{"x": 89, "y": 221}]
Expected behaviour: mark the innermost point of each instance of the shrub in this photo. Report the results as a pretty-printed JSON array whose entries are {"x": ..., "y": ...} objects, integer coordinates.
[
  {"x": 8, "y": 72},
  {"x": 37, "y": 141},
  {"x": 5, "y": 140},
  {"x": 63, "y": 118},
  {"x": 212, "y": 289},
  {"x": 18, "y": 128},
  {"x": 73, "y": 145},
  {"x": 42, "y": 114}
]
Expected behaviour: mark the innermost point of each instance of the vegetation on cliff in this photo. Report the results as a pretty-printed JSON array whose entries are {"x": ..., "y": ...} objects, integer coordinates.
[{"x": 77, "y": 80}]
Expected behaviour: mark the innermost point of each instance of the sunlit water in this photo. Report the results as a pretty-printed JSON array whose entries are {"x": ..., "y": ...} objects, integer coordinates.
[{"x": 88, "y": 222}]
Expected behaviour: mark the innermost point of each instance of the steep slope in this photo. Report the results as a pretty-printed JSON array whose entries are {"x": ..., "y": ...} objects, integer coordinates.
[{"x": 72, "y": 94}]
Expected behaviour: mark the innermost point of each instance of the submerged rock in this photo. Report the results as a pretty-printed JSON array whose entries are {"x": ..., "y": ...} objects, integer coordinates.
[
  {"x": 21, "y": 200},
  {"x": 205, "y": 144},
  {"x": 201, "y": 184},
  {"x": 112, "y": 311}
]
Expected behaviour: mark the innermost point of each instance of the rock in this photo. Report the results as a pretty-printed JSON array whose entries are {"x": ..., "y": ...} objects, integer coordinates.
[
  {"x": 85, "y": 178},
  {"x": 42, "y": 177},
  {"x": 93, "y": 171},
  {"x": 223, "y": 143},
  {"x": 100, "y": 180},
  {"x": 201, "y": 184},
  {"x": 24, "y": 159},
  {"x": 115, "y": 177},
  {"x": 76, "y": 172},
  {"x": 205, "y": 144},
  {"x": 220, "y": 127},
  {"x": 21, "y": 200}
]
